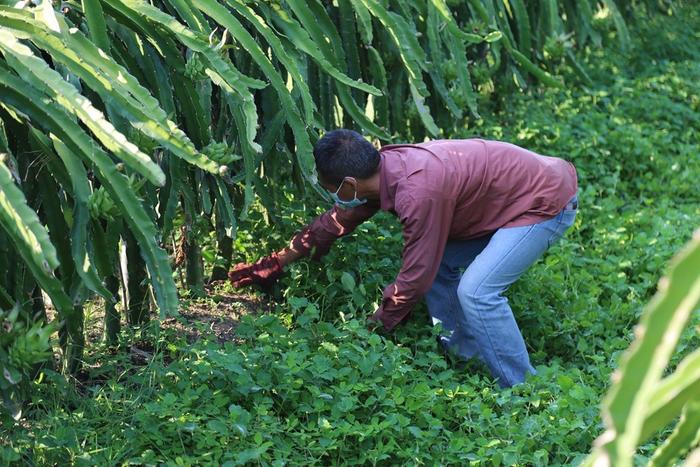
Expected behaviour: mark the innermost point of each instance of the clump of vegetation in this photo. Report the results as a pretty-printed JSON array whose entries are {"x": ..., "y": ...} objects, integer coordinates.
[
  {"x": 307, "y": 383},
  {"x": 153, "y": 125}
]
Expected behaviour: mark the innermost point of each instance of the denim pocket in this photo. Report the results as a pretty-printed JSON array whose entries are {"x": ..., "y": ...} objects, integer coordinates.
[{"x": 566, "y": 219}]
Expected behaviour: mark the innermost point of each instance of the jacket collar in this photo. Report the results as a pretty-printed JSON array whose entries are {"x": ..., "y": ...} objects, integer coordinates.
[{"x": 390, "y": 172}]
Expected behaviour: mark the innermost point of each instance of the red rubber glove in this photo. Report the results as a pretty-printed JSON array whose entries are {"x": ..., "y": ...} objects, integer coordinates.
[{"x": 263, "y": 273}]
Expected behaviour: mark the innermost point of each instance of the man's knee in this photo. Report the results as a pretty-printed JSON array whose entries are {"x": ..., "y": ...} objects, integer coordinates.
[{"x": 477, "y": 298}]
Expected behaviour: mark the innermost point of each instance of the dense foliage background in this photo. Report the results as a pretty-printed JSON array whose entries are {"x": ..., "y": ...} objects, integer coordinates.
[
  {"x": 153, "y": 125},
  {"x": 235, "y": 184}
]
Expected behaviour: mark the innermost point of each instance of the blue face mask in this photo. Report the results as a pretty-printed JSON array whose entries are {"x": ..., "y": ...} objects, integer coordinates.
[{"x": 353, "y": 203}]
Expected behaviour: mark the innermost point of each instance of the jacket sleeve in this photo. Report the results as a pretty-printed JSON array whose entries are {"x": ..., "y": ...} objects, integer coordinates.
[
  {"x": 426, "y": 225},
  {"x": 317, "y": 237}
]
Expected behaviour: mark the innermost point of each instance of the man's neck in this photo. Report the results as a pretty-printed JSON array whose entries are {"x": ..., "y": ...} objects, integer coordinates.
[{"x": 369, "y": 187}]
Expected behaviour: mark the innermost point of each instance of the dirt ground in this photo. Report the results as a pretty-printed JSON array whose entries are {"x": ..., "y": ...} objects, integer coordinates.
[{"x": 217, "y": 314}]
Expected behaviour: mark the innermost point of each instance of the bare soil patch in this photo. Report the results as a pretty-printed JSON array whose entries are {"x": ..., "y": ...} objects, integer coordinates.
[
  {"x": 215, "y": 316},
  {"x": 218, "y": 314}
]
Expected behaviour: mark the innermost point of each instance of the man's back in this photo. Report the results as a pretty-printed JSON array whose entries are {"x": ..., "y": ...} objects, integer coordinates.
[{"x": 491, "y": 184}]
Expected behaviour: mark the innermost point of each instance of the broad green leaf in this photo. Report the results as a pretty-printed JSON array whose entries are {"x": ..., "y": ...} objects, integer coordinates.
[
  {"x": 222, "y": 16},
  {"x": 530, "y": 67},
  {"x": 522, "y": 22},
  {"x": 323, "y": 33},
  {"x": 20, "y": 221},
  {"x": 222, "y": 72},
  {"x": 279, "y": 52},
  {"x": 412, "y": 56},
  {"x": 300, "y": 38},
  {"x": 81, "y": 217},
  {"x": 437, "y": 58},
  {"x": 627, "y": 404},
  {"x": 686, "y": 435},
  {"x": 348, "y": 281},
  {"x": 622, "y": 31},
  {"x": 671, "y": 394},
  {"x": 31, "y": 240},
  {"x": 442, "y": 8},
  {"x": 34, "y": 69},
  {"x": 459, "y": 56},
  {"x": 194, "y": 19},
  {"x": 364, "y": 21},
  {"x": 46, "y": 114},
  {"x": 94, "y": 15}
]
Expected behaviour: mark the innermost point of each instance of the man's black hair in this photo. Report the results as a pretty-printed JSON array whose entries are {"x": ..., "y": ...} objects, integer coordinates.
[{"x": 345, "y": 153}]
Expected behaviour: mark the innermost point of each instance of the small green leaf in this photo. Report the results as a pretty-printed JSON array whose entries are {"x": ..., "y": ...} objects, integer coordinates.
[
  {"x": 348, "y": 281},
  {"x": 218, "y": 426}
]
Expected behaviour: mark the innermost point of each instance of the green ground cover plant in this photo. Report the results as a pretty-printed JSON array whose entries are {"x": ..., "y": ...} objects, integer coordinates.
[{"x": 308, "y": 384}]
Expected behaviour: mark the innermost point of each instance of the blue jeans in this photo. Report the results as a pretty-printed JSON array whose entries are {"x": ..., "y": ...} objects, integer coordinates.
[{"x": 475, "y": 316}]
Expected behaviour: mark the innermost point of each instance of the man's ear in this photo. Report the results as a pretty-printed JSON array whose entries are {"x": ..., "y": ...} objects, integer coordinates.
[{"x": 349, "y": 182}]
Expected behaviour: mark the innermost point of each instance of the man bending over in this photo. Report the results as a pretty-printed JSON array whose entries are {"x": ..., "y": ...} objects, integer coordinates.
[{"x": 487, "y": 208}]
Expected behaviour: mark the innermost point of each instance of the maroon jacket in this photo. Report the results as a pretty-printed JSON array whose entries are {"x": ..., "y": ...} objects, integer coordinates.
[{"x": 442, "y": 190}]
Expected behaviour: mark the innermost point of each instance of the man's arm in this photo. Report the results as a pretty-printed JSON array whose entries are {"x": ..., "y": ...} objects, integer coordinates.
[
  {"x": 426, "y": 223},
  {"x": 315, "y": 240}
]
